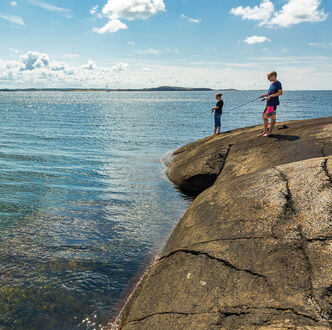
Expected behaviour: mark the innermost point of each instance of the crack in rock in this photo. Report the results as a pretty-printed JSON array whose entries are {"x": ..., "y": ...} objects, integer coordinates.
[
  {"x": 287, "y": 310},
  {"x": 219, "y": 156},
  {"x": 295, "y": 312},
  {"x": 320, "y": 239},
  {"x": 229, "y": 240},
  {"x": 225, "y": 157},
  {"x": 169, "y": 313},
  {"x": 322, "y": 151},
  {"x": 229, "y": 313},
  {"x": 324, "y": 167},
  {"x": 289, "y": 209},
  {"x": 224, "y": 262},
  {"x": 304, "y": 243}
]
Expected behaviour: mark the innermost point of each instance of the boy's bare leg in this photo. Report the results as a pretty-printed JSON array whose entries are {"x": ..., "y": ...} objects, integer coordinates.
[
  {"x": 273, "y": 122},
  {"x": 218, "y": 130},
  {"x": 215, "y": 130},
  {"x": 266, "y": 127}
]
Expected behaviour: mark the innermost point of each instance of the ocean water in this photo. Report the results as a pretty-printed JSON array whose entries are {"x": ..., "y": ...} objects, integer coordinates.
[{"x": 84, "y": 201}]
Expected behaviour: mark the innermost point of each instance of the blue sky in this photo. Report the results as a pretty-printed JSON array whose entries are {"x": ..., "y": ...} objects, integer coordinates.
[{"x": 145, "y": 43}]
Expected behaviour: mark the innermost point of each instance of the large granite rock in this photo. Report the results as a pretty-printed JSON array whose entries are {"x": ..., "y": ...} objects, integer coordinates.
[
  {"x": 253, "y": 251},
  {"x": 196, "y": 165}
]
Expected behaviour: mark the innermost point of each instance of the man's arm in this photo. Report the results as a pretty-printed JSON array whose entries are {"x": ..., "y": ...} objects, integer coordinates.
[
  {"x": 215, "y": 108},
  {"x": 275, "y": 95}
]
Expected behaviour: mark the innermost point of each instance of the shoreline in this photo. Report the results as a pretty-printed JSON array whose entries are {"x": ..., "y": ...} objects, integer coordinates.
[
  {"x": 144, "y": 293},
  {"x": 135, "y": 282},
  {"x": 150, "y": 260}
]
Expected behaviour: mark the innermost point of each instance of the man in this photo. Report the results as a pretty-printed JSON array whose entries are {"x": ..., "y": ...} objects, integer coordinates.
[
  {"x": 272, "y": 101},
  {"x": 217, "y": 113}
]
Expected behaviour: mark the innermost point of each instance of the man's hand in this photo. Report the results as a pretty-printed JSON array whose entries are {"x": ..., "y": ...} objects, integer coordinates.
[
  {"x": 264, "y": 95},
  {"x": 268, "y": 98}
]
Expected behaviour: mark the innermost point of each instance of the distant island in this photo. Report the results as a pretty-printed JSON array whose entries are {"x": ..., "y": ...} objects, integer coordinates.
[{"x": 153, "y": 89}]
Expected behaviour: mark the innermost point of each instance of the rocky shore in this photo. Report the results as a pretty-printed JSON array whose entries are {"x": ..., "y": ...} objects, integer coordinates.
[{"x": 253, "y": 251}]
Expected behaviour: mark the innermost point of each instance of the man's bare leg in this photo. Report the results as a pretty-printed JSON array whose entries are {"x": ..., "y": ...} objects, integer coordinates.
[
  {"x": 273, "y": 122},
  {"x": 266, "y": 127}
]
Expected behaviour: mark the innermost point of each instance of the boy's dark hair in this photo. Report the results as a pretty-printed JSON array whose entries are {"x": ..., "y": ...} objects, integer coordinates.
[
  {"x": 219, "y": 95},
  {"x": 273, "y": 73}
]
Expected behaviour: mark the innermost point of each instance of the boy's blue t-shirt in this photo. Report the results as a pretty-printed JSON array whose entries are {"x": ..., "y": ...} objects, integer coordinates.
[{"x": 273, "y": 90}]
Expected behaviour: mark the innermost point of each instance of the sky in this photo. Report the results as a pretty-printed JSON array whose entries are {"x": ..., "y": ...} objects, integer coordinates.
[{"x": 147, "y": 43}]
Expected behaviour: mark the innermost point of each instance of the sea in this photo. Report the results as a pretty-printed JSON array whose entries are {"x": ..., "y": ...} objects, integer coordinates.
[{"x": 85, "y": 205}]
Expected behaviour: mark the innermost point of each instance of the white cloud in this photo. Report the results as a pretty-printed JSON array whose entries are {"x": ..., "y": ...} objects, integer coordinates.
[
  {"x": 148, "y": 51},
  {"x": 320, "y": 44},
  {"x": 45, "y": 72},
  {"x": 120, "y": 67},
  {"x": 13, "y": 50},
  {"x": 94, "y": 9},
  {"x": 30, "y": 62},
  {"x": 191, "y": 20},
  {"x": 130, "y": 10},
  {"x": 13, "y": 19},
  {"x": 13, "y": 3},
  {"x": 256, "y": 40},
  {"x": 38, "y": 69},
  {"x": 57, "y": 66},
  {"x": 112, "y": 26},
  {"x": 292, "y": 70},
  {"x": 33, "y": 60},
  {"x": 132, "y": 43},
  {"x": 298, "y": 11},
  {"x": 260, "y": 13},
  {"x": 48, "y": 6},
  {"x": 90, "y": 66},
  {"x": 172, "y": 51},
  {"x": 293, "y": 12},
  {"x": 133, "y": 9}
]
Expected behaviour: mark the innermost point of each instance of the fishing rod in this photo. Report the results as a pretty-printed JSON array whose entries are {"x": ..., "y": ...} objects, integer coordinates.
[{"x": 242, "y": 105}]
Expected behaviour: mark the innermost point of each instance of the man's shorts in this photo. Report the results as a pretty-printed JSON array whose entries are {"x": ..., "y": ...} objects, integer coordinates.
[
  {"x": 217, "y": 117},
  {"x": 270, "y": 112}
]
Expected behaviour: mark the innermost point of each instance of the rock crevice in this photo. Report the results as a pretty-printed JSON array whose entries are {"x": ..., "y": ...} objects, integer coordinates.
[{"x": 224, "y": 262}]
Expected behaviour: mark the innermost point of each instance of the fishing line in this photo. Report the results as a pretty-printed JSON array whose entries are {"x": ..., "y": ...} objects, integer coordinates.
[{"x": 239, "y": 106}]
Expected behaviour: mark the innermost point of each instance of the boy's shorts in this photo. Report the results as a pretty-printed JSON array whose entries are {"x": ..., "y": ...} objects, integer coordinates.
[
  {"x": 217, "y": 117},
  {"x": 270, "y": 112}
]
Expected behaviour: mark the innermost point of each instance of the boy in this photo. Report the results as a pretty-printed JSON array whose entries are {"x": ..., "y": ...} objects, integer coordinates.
[
  {"x": 272, "y": 101},
  {"x": 217, "y": 113}
]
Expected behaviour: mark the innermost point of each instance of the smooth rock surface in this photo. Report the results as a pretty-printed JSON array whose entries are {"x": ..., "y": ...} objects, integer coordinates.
[{"x": 254, "y": 250}]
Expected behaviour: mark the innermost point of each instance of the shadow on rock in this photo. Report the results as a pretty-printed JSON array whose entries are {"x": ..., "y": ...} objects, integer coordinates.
[{"x": 280, "y": 137}]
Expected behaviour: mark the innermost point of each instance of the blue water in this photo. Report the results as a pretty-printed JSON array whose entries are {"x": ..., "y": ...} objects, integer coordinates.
[{"x": 83, "y": 197}]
